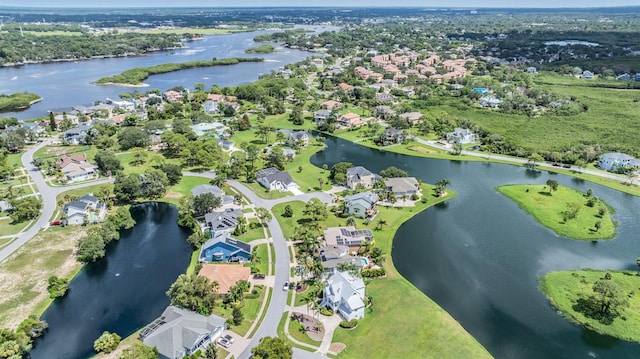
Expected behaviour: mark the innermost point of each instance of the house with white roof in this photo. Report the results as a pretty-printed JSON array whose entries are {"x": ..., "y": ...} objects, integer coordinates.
[
  {"x": 179, "y": 332},
  {"x": 344, "y": 294}
]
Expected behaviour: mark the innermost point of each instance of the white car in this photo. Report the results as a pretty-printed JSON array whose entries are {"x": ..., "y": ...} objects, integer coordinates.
[
  {"x": 223, "y": 342},
  {"x": 285, "y": 287}
]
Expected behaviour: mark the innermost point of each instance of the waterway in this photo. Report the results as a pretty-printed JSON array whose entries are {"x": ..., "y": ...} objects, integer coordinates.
[
  {"x": 479, "y": 256},
  {"x": 122, "y": 292},
  {"x": 65, "y": 84}
]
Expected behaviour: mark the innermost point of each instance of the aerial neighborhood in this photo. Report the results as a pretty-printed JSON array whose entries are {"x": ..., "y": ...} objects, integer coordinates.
[{"x": 339, "y": 201}]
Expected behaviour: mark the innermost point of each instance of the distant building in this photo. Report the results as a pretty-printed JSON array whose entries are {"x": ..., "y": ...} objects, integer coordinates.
[
  {"x": 615, "y": 161},
  {"x": 532, "y": 70},
  {"x": 461, "y": 135},
  {"x": 276, "y": 180},
  {"x": 587, "y": 75}
]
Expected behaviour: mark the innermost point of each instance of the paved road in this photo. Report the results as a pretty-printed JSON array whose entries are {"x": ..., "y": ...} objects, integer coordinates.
[
  {"x": 48, "y": 195},
  {"x": 521, "y": 161},
  {"x": 276, "y": 308}
]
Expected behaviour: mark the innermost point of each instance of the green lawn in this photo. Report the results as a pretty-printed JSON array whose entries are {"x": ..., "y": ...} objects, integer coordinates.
[
  {"x": 297, "y": 331},
  {"x": 251, "y": 234},
  {"x": 79, "y": 192},
  {"x": 263, "y": 263},
  {"x": 548, "y": 209},
  {"x": 7, "y": 227},
  {"x": 250, "y": 308},
  {"x": 263, "y": 193},
  {"x": 565, "y": 288},
  {"x": 52, "y": 152},
  {"x": 15, "y": 160},
  {"x": 310, "y": 175}
]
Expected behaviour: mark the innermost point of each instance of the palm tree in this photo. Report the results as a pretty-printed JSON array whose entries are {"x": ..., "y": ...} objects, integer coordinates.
[
  {"x": 440, "y": 187},
  {"x": 381, "y": 222},
  {"x": 351, "y": 221}
]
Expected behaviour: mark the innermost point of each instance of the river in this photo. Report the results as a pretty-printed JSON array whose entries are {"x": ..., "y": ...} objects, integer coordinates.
[
  {"x": 479, "y": 256},
  {"x": 122, "y": 292},
  {"x": 65, "y": 84}
]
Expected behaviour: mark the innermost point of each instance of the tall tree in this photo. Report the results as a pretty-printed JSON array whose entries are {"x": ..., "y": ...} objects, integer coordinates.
[
  {"x": 553, "y": 185},
  {"x": 272, "y": 348}
]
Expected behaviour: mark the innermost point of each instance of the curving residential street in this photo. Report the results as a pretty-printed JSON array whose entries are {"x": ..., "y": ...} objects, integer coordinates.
[{"x": 48, "y": 195}]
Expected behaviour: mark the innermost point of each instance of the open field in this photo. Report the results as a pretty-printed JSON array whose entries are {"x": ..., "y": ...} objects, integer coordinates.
[
  {"x": 565, "y": 288},
  {"x": 549, "y": 209},
  {"x": 24, "y": 274}
]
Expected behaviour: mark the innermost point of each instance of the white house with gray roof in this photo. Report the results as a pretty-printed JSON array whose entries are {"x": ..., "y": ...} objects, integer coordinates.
[
  {"x": 179, "y": 332},
  {"x": 615, "y": 160},
  {"x": 275, "y": 180},
  {"x": 461, "y": 135},
  {"x": 359, "y": 176},
  {"x": 86, "y": 208},
  {"x": 344, "y": 294}
]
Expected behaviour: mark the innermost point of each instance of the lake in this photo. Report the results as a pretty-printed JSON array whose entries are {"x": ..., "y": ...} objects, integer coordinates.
[
  {"x": 479, "y": 255},
  {"x": 122, "y": 292},
  {"x": 65, "y": 84}
]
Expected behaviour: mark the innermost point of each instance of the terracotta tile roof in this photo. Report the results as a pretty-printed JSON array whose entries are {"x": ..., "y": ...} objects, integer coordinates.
[{"x": 225, "y": 274}]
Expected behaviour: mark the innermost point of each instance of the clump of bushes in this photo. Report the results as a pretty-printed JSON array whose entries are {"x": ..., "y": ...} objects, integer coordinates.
[
  {"x": 350, "y": 324},
  {"x": 326, "y": 311},
  {"x": 373, "y": 273}
]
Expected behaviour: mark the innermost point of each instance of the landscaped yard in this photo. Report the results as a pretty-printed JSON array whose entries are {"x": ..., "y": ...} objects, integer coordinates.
[
  {"x": 564, "y": 289},
  {"x": 251, "y": 233},
  {"x": 262, "y": 264},
  {"x": 263, "y": 193},
  {"x": 250, "y": 308},
  {"x": 310, "y": 175},
  {"x": 555, "y": 209}
]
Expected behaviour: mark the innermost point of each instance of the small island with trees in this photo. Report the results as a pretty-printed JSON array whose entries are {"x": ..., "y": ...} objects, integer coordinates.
[
  {"x": 135, "y": 76},
  {"x": 18, "y": 101},
  {"x": 598, "y": 300},
  {"x": 262, "y": 49},
  {"x": 566, "y": 211}
]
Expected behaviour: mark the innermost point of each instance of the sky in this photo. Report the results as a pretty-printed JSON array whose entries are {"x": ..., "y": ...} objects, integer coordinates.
[{"x": 324, "y": 3}]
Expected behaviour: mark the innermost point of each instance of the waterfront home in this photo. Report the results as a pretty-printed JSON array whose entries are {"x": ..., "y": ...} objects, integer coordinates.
[
  {"x": 76, "y": 168},
  {"x": 347, "y": 236},
  {"x": 296, "y": 137},
  {"x": 223, "y": 221},
  {"x": 321, "y": 115},
  {"x": 226, "y": 275},
  {"x": 361, "y": 205},
  {"x": 275, "y": 180},
  {"x": 179, "y": 332},
  {"x": 77, "y": 135},
  {"x": 222, "y": 248},
  {"x": 402, "y": 186},
  {"x": 333, "y": 257},
  {"x": 344, "y": 294},
  {"x": 615, "y": 161},
  {"x": 384, "y": 112},
  {"x": 172, "y": 96},
  {"x": 86, "y": 209},
  {"x": 349, "y": 120},
  {"x": 359, "y": 176},
  {"x": 214, "y": 190},
  {"x": 461, "y": 135},
  {"x": 392, "y": 135}
]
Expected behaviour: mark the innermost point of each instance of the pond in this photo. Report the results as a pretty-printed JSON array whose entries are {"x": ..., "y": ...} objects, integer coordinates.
[
  {"x": 122, "y": 292},
  {"x": 479, "y": 255}
]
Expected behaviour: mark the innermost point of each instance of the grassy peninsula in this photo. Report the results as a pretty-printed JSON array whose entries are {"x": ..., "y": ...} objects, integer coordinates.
[
  {"x": 567, "y": 212},
  {"x": 137, "y": 75},
  {"x": 262, "y": 49},
  {"x": 574, "y": 294},
  {"x": 18, "y": 101}
]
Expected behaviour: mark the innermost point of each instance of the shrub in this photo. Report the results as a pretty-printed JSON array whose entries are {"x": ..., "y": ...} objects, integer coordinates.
[
  {"x": 350, "y": 324},
  {"x": 326, "y": 311},
  {"x": 373, "y": 273},
  {"x": 107, "y": 342},
  {"x": 415, "y": 197}
]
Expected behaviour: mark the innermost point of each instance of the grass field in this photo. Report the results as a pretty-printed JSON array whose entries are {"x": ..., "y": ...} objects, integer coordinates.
[
  {"x": 263, "y": 262},
  {"x": 250, "y": 309},
  {"x": 251, "y": 233},
  {"x": 548, "y": 209},
  {"x": 565, "y": 288}
]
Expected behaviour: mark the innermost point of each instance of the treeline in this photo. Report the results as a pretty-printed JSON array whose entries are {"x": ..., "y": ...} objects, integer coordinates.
[
  {"x": 17, "y": 101},
  {"x": 137, "y": 75},
  {"x": 16, "y": 49},
  {"x": 262, "y": 49},
  {"x": 92, "y": 247}
]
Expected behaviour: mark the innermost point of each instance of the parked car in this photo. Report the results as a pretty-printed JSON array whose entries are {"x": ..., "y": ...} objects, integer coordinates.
[
  {"x": 258, "y": 276},
  {"x": 56, "y": 223},
  {"x": 285, "y": 287},
  {"x": 224, "y": 343},
  {"x": 229, "y": 338}
]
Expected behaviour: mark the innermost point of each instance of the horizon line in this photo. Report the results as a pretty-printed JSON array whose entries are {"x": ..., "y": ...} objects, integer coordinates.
[{"x": 317, "y": 7}]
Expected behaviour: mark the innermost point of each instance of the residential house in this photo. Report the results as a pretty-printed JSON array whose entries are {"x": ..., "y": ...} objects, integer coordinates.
[
  {"x": 344, "y": 294},
  {"x": 295, "y": 137},
  {"x": 346, "y": 88},
  {"x": 361, "y": 205},
  {"x": 222, "y": 248},
  {"x": 122, "y": 105},
  {"x": 349, "y": 120},
  {"x": 384, "y": 97},
  {"x": 384, "y": 112},
  {"x": 86, "y": 209},
  {"x": 35, "y": 128},
  {"x": 276, "y": 180},
  {"x": 321, "y": 116},
  {"x": 360, "y": 177},
  {"x": 223, "y": 221},
  {"x": 614, "y": 161},
  {"x": 204, "y": 128},
  {"x": 332, "y": 257},
  {"x": 393, "y": 135},
  {"x": 461, "y": 135},
  {"x": 77, "y": 135},
  {"x": 215, "y": 190},
  {"x": 331, "y": 105},
  {"x": 587, "y": 75},
  {"x": 490, "y": 101},
  {"x": 481, "y": 90},
  {"x": 210, "y": 106},
  {"x": 347, "y": 236},
  {"x": 289, "y": 153},
  {"x": 179, "y": 332},
  {"x": 411, "y": 117},
  {"x": 172, "y": 96},
  {"x": 402, "y": 186},
  {"x": 456, "y": 86},
  {"x": 532, "y": 70},
  {"x": 76, "y": 168},
  {"x": 624, "y": 76}
]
